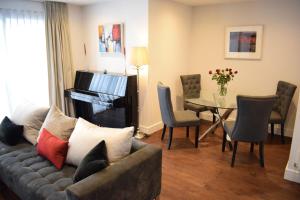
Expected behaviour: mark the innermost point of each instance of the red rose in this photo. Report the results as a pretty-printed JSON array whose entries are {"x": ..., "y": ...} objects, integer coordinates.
[
  {"x": 217, "y": 70},
  {"x": 226, "y": 69},
  {"x": 210, "y": 72},
  {"x": 230, "y": 72},
  {"x": 230, "y": 69},
  {"x": 236, "y": 72}
]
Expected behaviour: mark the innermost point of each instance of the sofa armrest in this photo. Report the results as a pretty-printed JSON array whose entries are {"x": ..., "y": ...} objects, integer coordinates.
[{"x": 138, "y": 176}]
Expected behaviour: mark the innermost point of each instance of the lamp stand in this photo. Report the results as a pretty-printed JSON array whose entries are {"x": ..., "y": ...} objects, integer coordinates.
[{"x": 139, "y": 135}]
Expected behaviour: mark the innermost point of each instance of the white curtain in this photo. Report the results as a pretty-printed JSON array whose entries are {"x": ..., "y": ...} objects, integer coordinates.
[{"x": 23, "y": 59}]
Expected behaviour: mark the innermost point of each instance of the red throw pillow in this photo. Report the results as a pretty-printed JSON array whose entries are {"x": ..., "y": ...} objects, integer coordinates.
[{"x": 52, "y": 148}]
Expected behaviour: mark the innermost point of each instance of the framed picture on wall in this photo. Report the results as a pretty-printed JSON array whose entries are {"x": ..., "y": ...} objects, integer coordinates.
[
  {"x": 111, "y": 38},
  {"x": 243, "y": 42}
]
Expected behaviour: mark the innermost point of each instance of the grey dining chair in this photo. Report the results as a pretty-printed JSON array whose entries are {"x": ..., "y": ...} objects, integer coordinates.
[
  {"x": 285, "y": 92},
  {"x": 172, "y": 119},
  {"x": 251, "y": 123},
  {"x": 191, "y": 86}
]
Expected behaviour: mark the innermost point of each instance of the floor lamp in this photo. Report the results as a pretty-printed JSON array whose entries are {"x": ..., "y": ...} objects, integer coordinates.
[{"x": 139, "y": 57}]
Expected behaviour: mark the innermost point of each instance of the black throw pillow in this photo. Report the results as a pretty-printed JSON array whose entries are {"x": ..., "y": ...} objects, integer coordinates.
[
  {"x": 10, "y": 133},
  {"x": 93, "y": 162}
]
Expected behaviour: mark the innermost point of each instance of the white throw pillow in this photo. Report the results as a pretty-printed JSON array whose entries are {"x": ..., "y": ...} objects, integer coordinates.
[
  {"x": 31, "y": 117},
  {"x": 87, "y": 135},
  {"x": 58, "y": 124}
]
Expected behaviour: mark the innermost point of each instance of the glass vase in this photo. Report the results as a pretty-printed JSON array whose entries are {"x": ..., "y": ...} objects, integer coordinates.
[{"x": 222, "y": 90}]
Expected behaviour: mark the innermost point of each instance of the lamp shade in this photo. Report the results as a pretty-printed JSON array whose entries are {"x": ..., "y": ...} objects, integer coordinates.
[{"x": 139, "y": 56}]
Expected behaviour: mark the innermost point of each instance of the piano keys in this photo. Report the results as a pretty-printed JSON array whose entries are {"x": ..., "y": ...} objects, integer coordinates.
[{"x": 108, "y": 100}]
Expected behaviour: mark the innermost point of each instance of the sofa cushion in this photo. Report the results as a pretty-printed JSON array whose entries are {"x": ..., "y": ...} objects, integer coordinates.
[
  {"x": 5, "y": 148},
  {"x": 58, "y": 123},
  {"x": 31, "y": 117},
  {"x": 31, "y": 176},
  {"x": 93, "y": 162},
  {"x": 87, "y": 135},
  {"x": 10, "y": 133},
  {"x": 52, "y": 148}
]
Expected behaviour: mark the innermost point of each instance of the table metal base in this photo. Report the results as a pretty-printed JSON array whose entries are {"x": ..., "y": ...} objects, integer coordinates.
[{"x": 219, "y": 121}]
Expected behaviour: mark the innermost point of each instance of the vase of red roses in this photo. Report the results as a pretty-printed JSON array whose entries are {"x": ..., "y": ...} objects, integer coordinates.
[{"x": 223, "y": 77}]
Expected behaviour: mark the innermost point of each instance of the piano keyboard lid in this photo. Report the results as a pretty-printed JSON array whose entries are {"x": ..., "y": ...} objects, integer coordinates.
[{"x": 109, "y": 84}]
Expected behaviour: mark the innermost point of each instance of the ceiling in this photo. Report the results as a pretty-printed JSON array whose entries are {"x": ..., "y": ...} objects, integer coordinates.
[
  {"x": 187, "y": 2},
  {"x": 208, "y": 2}
]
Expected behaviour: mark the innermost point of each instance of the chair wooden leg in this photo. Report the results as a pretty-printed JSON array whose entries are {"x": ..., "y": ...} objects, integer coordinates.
[
  {"x": 196, "y": 136},
  {"x": 170, "y": 137},
  {"x": 282, "y": 133},
  {"x": 230, "y": 145},
  {"x": 163, "y": 132},
  {"x": 234, "y": 153},
  {"x": 272, "y": 130},
  {"x": 187, "y": 131},
  {"x": 261, "y": 154},
  {"x": 252, "y": 147},
  {"x": 224, "y": 140}
]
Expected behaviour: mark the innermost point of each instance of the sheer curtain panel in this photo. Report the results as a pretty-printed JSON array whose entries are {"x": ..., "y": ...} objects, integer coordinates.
[{"x": 23, "y": 59}]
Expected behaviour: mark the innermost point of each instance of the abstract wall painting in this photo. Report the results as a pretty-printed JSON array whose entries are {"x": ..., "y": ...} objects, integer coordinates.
[
  {"x": 111, "y": 38},
  {"x": 243, "y": 42}
]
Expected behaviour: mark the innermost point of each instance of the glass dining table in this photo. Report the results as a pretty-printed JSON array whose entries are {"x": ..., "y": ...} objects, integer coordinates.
[{"x": 213, "y": 100}]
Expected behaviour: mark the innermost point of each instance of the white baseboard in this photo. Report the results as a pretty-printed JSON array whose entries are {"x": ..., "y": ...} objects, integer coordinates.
[
  {"x": 148, "y": 130},
  {"x": 291, "y": 174}
]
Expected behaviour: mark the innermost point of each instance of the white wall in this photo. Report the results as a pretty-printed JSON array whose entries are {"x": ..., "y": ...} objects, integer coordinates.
[
  {"x": 280, "y": 53},
  {"x": 76, "y": 37},
  {"x": 134, "y": 15},
  {"x": 169, "y": 40},
  {"x": 168, "y": 21}
]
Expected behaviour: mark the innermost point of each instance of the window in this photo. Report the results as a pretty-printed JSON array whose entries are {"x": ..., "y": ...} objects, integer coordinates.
[{"x": 23, "y": 59}]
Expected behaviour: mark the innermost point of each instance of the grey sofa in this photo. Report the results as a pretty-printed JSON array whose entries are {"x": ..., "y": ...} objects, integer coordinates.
[{"x": 30, "y": 176}]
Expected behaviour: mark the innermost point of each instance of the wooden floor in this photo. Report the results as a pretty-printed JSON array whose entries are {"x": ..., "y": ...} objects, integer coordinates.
[{"x": 205, "y": 173}]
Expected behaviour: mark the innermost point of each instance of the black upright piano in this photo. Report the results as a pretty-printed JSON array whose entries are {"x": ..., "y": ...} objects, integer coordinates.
[{"x": 108, "y": 100}]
